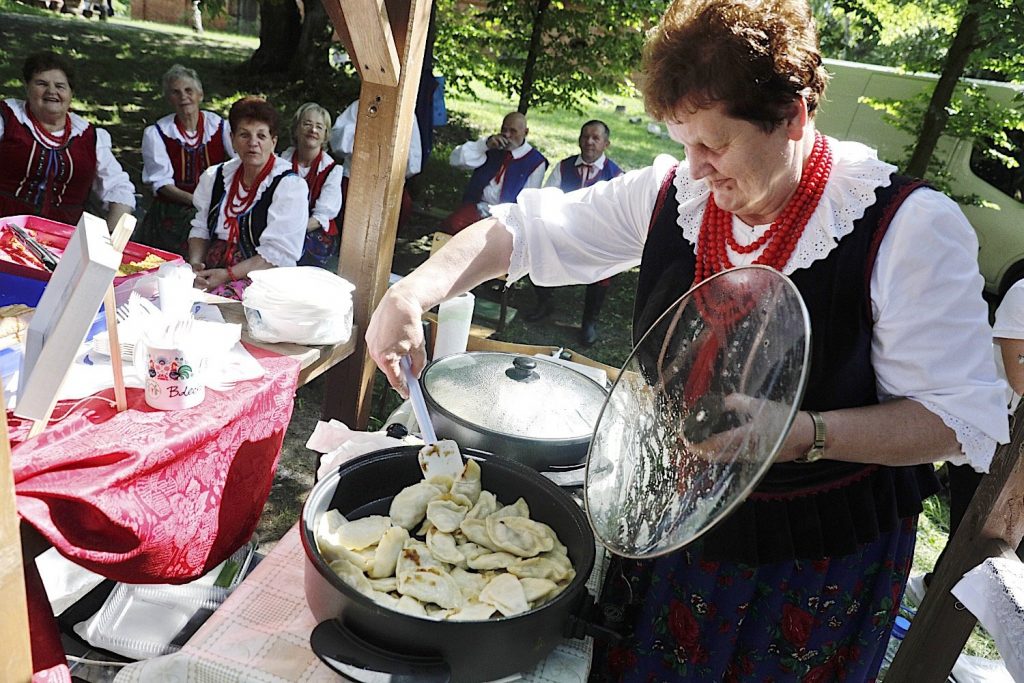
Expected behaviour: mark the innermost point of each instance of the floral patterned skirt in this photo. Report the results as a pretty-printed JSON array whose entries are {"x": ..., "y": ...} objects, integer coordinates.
[
  {"x": 318, "y": 248},
  {"x": 687, "y": 619},
  {"x": 218, "y": 256}
]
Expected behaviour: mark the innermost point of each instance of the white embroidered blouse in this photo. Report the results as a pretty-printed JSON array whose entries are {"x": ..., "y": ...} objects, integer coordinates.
[
  {"x": 112, "y": 183},
  {"x": 931, "y": 333},
  {"x": 281, "y": 241}
]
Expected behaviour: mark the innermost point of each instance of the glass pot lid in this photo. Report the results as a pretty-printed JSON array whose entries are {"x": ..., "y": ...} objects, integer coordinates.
[
  {"x": 702, "y": 405},
  {"x": 517, "y": 395}
]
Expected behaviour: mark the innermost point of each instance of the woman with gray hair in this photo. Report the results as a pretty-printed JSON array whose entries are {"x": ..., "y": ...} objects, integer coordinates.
[
  {"x": 310, "y": 128},
  {"x": 175, "y": 152}
]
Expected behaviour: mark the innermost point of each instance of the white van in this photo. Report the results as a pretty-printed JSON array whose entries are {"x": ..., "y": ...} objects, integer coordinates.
[{"x": 999, "y": 224}]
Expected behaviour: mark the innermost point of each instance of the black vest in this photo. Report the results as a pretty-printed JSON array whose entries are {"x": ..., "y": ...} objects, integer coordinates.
[
  {"x": 826, "y": 508},
  {"x": 250, "y": 224}
]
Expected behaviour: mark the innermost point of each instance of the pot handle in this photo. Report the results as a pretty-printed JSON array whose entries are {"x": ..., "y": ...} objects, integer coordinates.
[
  {"x": 357, "y": 660},
  {"x": 591, "y": 620}
]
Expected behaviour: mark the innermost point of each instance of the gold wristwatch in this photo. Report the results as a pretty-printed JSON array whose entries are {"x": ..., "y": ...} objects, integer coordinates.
[{"x": 817, "y": 449}]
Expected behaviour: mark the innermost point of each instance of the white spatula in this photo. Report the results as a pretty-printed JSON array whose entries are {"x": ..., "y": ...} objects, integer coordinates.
[{"x": 437, "y": 458}]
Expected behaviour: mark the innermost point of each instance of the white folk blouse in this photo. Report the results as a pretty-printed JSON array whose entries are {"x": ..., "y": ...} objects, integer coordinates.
[
  {"x": 112, "y": 184},
  {"x": 931, "y": 333},
  {"x": 328, "y": 204},
  {"x": 157, "y": 170},
  {"x": 282, "y": 239}
]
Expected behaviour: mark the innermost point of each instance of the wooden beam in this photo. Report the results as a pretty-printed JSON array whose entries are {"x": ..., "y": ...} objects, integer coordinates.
[
  {"x": 995, "y": 515},
  {"x": 370, "y": 36},
  {"x": 337, "y": 19},
  {"x": 16, "y": 653},
  {"x": 379, "y": 157}
]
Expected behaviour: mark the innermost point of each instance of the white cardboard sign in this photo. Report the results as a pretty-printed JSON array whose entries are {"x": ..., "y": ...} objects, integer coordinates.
[{"x": 65, "y": 312}]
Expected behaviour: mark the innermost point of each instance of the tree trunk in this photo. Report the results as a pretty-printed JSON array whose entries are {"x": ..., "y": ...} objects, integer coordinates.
[
  {"x": 280, "y": 26},
  {"x": 935, "y": 117},
  {"x": 311, "y": 54},
  {"x": 526, "y": 91}
]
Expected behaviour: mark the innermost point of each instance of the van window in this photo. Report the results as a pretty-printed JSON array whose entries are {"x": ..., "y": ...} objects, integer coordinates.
[{"x": 1008, "y": 180}]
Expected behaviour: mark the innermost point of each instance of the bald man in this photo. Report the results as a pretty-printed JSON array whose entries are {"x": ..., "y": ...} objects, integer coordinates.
[{"x": 503, "y": 164}]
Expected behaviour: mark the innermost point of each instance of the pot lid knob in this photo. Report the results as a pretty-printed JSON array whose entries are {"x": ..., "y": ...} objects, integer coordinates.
[{"x": 524, "y": 369}]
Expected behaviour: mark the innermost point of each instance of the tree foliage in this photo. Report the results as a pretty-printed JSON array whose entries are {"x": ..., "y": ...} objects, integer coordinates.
[
  {"x": 547, "y": 53},
  {"x": 954, "y": 38}
]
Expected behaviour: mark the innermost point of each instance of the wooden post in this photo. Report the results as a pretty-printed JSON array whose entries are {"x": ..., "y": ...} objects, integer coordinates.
[
  {"x": 16, "y": 652},
  {"x": 379, "y": 157},
  {"x": 996, "y": 513},
  {"x": 119, "y": 240}
]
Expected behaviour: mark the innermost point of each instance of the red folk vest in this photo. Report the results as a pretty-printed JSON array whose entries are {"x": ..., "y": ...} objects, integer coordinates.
[
  {"x": 38, "y": 180},
  {"x": 189, "y": 162}
]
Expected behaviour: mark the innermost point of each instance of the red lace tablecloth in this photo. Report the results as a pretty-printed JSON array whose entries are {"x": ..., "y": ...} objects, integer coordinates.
[{"x": 147, "y": 496}]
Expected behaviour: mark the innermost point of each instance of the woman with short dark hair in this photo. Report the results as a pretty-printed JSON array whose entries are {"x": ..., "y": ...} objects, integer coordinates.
[
  {"x": 175, "y": 152},
  {"x": 251, "y": 212},
  {"x": 53, "y": 159},
  {"x": 803, "y": 579}
]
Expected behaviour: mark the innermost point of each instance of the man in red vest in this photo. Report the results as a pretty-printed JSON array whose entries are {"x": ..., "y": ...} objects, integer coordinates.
[{"x": 503, "y": 165}]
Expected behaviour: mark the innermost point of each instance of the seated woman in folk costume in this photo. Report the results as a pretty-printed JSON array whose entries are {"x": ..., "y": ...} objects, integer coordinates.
[
  {"x": 323, "y": 176},
  {"x": 51, "y": 159},
  {"x": 175, "y": 152},
  {"x": 251, "y": 212}
]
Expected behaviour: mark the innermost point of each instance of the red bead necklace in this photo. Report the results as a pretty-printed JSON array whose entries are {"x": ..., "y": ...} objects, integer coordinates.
[
  {"x": 190, "y": 139},
  {"x": 721, "y": 308},
  {"x": 716, "y": 232},
  {"x": 52, "y": 140},
  {"x": 240, "y": 199}
]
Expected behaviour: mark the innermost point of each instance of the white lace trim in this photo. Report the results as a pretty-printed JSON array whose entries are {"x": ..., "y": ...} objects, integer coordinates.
[
  {"x": 856, "y": 174},
  {"x": 994, "y": 592},
  {"x": 976, "y": 447}
]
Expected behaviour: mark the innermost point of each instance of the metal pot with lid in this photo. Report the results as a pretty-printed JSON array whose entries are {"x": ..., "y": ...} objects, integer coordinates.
[
  {"x": 533, "y": 410},
  {"x": 691, "y": 425}
]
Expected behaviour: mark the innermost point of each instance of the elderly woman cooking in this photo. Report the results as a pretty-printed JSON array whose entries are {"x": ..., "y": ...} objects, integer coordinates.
[
  {"x": 803, "y": 580},
  {"x": 52, "y": 159},
  {"x": 175, "y": 152},
  {"x": 251, "y": 212},
  {"x": 310, "y": 128}
]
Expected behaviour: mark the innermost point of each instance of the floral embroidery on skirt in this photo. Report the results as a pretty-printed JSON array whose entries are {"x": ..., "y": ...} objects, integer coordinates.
[{"x": 688, "y": 619}]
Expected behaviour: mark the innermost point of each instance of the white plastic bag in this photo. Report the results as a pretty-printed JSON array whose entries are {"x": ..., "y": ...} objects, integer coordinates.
[{"x": 301, "y": 304}]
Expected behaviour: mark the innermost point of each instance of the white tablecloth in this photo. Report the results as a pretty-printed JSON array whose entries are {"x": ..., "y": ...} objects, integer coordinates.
[{"x": 261, "y": 635}]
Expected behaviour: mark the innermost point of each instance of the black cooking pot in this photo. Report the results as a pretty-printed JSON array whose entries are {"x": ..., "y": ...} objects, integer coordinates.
[
  {"x": 363, "y": 640},
  {"x": 535, "y": 410}
]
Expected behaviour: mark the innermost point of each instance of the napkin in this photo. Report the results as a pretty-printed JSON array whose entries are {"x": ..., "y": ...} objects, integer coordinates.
[
  {"x": 339, "y": 444},
  {"x": 994, "y": 593}
]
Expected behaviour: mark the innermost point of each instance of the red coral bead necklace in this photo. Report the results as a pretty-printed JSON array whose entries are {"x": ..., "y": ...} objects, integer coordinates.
[{"x": 779, "y": 241}]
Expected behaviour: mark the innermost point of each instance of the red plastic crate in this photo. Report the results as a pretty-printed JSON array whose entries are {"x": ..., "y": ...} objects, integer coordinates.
[{"x": 55, "y": 236}]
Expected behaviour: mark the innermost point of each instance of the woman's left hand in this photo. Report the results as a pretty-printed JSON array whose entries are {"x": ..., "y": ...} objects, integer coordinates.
[{"x": 211, "y": 278}]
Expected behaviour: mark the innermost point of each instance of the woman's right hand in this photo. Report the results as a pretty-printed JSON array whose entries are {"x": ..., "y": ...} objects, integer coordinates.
[{"x": 396, "y": 330}]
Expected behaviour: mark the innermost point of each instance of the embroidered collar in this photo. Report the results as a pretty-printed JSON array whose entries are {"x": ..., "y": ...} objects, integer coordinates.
[
  {"x": 167, "y": 127},
  {"x": 78, "y": 124},
  {"x": 856, "y": 174}
]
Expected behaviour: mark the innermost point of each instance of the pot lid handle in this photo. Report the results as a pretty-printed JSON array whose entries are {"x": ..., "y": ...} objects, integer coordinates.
[
  {"x": 524, "y": 369},
  {"x": 355, "y": 659}
]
